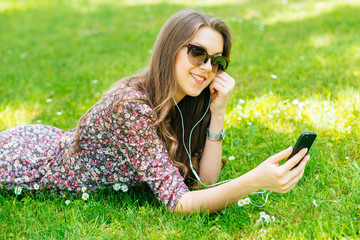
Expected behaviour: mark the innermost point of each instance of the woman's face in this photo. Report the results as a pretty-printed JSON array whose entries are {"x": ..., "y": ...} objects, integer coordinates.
[{"x": 192, "y": 80}]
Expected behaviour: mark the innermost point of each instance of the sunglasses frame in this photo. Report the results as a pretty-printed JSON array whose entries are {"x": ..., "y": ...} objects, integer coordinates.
[{"x": 189, "y": 46}]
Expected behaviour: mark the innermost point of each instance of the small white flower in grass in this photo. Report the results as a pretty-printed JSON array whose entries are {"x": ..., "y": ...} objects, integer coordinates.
[
  {"x": 273, "y": 218},
  {"x": 38, "y": 121},
  {"x": 301, "y": 104},
  {"x": 85, "y": 196},
  {"x": 273, "y": 76},
  {"x": 231, "y": 158},
  {"x": 241, "y": 101},
  {"x": 314, "y": 202},
  {"x": 36, "y": 186},
  {"x": 49, "y": 100},
  {"x": 263, "y": 217},
  {"x": 249, "y": 123},
  {"x": 241, "y": 202},
  {"x": 67, "y": 202},
  {"x": 296, "y": 102},
  {"x": 247, "y": 200},
  {"x": 95, "y": 81},
  {"x": 262, "y": 232},
  {"x": 124, "y": 188},
  {"x": 58, "y": 113},
  {"x": 270, "y": 116},
  {"x": 346, "y": 158},
  {"x": 83, "y": 189},
  {"x": 116, "y": 187},
  {"x": 239, "y": 118},
  {"x": 18, "y": 190}
]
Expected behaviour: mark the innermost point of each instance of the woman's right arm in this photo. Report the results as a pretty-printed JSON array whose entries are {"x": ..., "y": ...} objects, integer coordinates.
[{"x": 268, "y": 175}]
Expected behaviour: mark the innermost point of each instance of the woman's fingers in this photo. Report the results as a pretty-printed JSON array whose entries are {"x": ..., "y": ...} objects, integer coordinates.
[
  {"x": 291, "y": 163},
  {"x": 280, "y": 155},
  {"x": 294, "y": 176}
]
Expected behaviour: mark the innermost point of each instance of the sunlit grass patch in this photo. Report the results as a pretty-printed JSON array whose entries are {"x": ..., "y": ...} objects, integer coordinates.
[
  {"x": 337, "y": 116},
  {"x": 299, "y": 10},
  {"x": 11, "y": 116}
]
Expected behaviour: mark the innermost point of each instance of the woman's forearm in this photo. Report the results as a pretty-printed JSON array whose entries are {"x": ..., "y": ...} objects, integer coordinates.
[
  {"x": 210, "y": 163},
  {"x": 217, "y": 198}
]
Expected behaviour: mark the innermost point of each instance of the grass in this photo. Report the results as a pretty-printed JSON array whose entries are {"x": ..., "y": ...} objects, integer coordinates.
[{"x": 296, "y": 67}]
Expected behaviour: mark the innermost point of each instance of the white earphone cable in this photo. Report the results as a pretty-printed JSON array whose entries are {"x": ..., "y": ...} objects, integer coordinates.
[{"x": 188, "y": 151}]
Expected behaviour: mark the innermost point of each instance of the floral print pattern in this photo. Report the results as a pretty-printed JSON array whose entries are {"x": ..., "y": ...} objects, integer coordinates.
[{"x": 118, "y": 145}]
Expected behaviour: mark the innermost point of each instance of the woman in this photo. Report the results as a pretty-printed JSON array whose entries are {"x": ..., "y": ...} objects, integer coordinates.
[{"x": 146, "y": 127}]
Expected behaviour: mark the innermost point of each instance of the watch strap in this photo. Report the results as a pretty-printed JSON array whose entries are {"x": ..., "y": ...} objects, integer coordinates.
[{"x": 214, "y": 136}]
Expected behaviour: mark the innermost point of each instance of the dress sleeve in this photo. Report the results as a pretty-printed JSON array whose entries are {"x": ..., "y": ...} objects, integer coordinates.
[{"x": 147, "y": 154}]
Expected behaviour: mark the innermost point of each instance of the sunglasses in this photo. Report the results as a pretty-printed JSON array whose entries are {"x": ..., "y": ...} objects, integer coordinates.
[{"x": 198, "y": 56}]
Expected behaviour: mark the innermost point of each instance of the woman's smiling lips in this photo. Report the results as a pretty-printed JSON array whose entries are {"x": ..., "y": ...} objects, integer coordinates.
[{"x": 199, "y": 79}]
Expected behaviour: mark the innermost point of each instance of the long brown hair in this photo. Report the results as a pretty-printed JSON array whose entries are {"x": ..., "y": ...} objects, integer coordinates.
[{"x": 159, "y": 85}]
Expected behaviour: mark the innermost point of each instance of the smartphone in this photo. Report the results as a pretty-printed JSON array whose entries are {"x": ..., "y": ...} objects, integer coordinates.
[{"x": 305, "y": 140}]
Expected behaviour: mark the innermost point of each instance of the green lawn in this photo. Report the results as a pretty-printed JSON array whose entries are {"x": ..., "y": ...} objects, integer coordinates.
[{"x": 297, "y": 68}]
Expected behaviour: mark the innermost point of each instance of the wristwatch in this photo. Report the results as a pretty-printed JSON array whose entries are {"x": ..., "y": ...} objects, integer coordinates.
[{"x": 217, "y": 137}]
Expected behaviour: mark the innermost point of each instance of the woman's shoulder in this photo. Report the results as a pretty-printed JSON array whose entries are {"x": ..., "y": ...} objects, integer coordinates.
[
  {"x": 126, "y": 89},
  {"x": 128, "y": 97}
]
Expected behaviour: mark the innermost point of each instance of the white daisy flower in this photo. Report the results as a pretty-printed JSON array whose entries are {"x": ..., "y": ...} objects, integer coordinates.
[
  {"x": 273, "y": 76},
  {"x": 67, "y": 202},
  {"x": 241, "y": 202},
  {"x": 36, "y": 186},
  {"x": 84, "y": 189},
  {"x": 301, "y": 104},
  {"x": 116, "y": 187},
  {"x": 85, "y": 196},
  {"x": 296, "y": 102},
  {"x": 58, "y": 113},
  {"x": 262, "y": 232},
  {"x": 124, "y": 188},
  {"x": 247, "y": 200},
  {"x": 231, "y": 158},
  {"x": 241, "y": 101},
  {"x": 18, "y": 190}
]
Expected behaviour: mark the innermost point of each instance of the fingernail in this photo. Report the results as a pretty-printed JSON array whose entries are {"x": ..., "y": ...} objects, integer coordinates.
[{"x": 289, "y": 148}]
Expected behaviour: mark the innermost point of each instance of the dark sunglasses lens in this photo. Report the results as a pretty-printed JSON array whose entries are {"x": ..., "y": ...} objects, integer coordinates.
[
  {"x": 221, "y": 61},
  {"x": 198, "y": 55}
]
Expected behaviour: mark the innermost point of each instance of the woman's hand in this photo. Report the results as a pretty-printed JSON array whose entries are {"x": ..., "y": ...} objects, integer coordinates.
[
  {"x": 270, "y": 176},
  {"x": 221, "y": 88}
]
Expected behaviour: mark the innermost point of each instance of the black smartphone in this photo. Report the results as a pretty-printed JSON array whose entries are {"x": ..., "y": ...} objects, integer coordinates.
[{"x": 305, "y": 140}]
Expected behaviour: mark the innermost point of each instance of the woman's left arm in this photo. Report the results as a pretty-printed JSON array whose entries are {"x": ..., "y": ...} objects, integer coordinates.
[{"x": 210, "y": 163}]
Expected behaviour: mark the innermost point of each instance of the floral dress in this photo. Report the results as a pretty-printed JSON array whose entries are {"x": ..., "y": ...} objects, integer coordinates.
[{"x": 118, "y": 145}]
